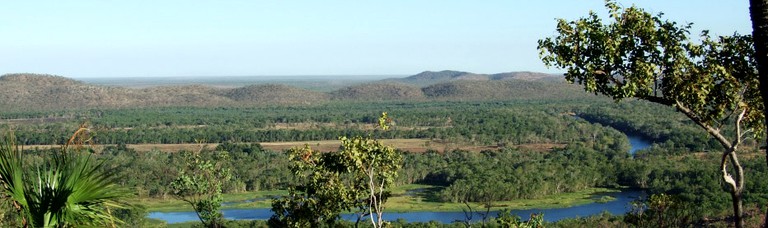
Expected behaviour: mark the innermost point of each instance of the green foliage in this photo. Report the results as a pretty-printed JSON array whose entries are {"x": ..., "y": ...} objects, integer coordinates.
[
  {"x": 641, "y": 118},
  {"x": 660, "y": 210},
  {"x": 355, "y": 178},
  {"x": 596, "y": 155},
  {"x": 511, "y": 174},
  {"x": 643, "y": 56},
  {"x": 67, "y": 190},
  {"x": 200, "y": 184},
  {"x": 506, "y": 219},
  {"x": 324, "y": 191},
  {"x": 135, "y": 216},
  {"x": 639, "y": 55}
]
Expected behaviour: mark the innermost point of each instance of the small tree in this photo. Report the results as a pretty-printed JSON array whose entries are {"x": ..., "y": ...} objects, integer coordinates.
[
  {"x": 324, "y": 191},
  {"x": 355, "y": 177},
  {"x": 200, "y": 184},
  {"x": 639, "y": 55}
]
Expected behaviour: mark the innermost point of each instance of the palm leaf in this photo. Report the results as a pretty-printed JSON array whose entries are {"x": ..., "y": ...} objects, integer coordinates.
[
  {"x": 68, "y": 190},
  {"x": 11, "y": 174}
]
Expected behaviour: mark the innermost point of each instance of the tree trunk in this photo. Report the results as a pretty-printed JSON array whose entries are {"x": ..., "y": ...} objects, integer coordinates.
[
  {"x": 737, "y": 208},
  {"x": 736, "y": 185},
  {"x": 758, "y": 12}
]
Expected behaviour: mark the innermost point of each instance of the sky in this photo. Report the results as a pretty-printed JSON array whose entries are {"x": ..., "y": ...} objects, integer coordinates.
[{"x": 172, "y": 38}]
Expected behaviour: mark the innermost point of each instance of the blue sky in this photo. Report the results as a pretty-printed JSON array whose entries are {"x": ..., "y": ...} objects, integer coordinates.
[{"x": 103, "y": 38}]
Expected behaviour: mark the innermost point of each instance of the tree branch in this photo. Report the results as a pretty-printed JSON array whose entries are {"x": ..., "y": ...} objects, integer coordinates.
[
  {"x": 724, "y": 169},
  {"x": 658, "y": 100},
  {"x": 712, "y": 131}
]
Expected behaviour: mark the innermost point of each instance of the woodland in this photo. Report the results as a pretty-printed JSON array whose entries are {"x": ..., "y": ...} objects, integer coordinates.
[
  {"x": 582, "y": 145},
  {"x": 486, "y": 139}
]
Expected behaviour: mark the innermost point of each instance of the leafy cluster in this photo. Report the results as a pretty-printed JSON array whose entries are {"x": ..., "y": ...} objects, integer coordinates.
[
  {"x": 355, "y": 178},
  {"x": 641, "y": 55},
  {"x": 660, "y": 210},
  {"x": 714, "y": 83},
  {"x": 200, "y": 184}
]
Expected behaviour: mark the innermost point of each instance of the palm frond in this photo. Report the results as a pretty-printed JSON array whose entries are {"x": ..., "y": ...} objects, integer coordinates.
[{"x": 70, "y": 189}]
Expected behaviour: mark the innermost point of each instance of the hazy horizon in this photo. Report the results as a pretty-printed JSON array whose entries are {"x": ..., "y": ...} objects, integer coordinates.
[{"x": 86, "y": 39}]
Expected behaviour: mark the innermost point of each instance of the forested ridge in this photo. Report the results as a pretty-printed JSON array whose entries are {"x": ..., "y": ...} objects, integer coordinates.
[{"x": 35, "y": 92}]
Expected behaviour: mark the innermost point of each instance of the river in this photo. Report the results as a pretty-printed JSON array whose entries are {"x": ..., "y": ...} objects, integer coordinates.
[
  {"x": 618, "y": 206},
  {"x": 637, "y": 143}
]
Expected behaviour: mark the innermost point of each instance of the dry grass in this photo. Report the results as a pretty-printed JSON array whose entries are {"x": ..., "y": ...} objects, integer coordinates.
[
  {"x": 35, "y": 120},
  {"x": 317, "y": 125},
  {"x": 170, "y": 147},
  {"x": 410, "y": 145},
  {"x": 542, "y": 147}
]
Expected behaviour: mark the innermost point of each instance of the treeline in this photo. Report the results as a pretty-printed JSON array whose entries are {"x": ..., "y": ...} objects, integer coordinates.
[
  {"x": 510, "y": 174},
  {"x": 660, "y": 124},
  {"x": 478, "y": 123}
]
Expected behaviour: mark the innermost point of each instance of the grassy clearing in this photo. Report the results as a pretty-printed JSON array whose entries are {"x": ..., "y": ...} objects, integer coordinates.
[
  {"x": 405, "y": 198},
  {"x": 410, "y": 145}
]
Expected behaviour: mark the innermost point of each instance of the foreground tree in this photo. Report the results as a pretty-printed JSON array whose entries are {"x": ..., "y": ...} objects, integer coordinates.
[
  {"x": 67, "y": 190},
  {"x": 200, "y": 184},
  {"x": 639, "y": 55},
  {"x": 355, "y": 178}
]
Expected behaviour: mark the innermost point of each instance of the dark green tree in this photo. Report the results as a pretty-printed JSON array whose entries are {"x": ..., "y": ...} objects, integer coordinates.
[{"x": 640, "y": 55}]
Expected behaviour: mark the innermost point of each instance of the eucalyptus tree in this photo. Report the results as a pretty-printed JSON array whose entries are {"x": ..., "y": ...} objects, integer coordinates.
[
  {"x": 69, "y": 189},
  {"x": 355, "y": 178},
  {"x": 713, "y": 82},
  {"x": 200, "y": 184}
]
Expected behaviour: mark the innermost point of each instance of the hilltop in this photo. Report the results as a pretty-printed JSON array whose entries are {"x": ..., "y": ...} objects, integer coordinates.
[
  {"x": 428, "y": 78},
  {"x": 382, "y": 90},
  {"x": 502, "y": 90},
  {"x": 275, "y": 94},
  {"x": 47, "y": 92}
]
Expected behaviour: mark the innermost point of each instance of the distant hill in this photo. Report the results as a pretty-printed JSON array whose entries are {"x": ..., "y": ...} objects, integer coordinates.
[
  {"x": 275, "y": 94},
  {"x": 49, "y": 92},
  {"x": 502, "y": 90},
  {"x": 32, "y": 91},
  {"x": 379, "y": 91},
  {"x": 428, "y": 78},
  {"x": 527, "y": 76},
  {"x": 186, "y": 95}
]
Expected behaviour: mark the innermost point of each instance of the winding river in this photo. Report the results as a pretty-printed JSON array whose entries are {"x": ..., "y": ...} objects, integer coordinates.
[{"x": 618, "y": 206}]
